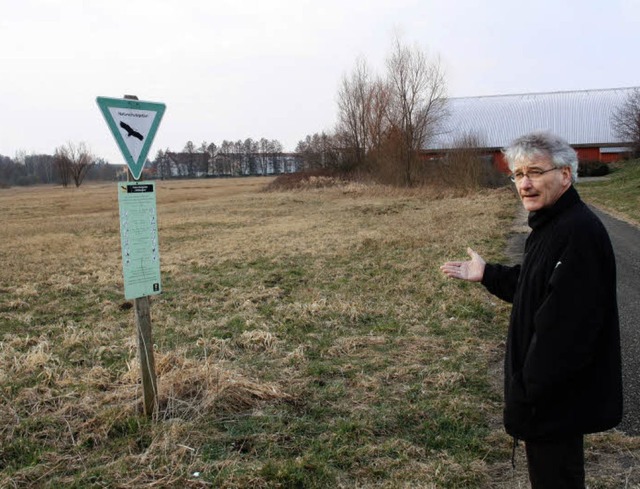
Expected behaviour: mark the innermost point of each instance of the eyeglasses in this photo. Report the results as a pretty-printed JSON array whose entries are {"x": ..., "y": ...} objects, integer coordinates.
[{"x": 533, "y": 174}]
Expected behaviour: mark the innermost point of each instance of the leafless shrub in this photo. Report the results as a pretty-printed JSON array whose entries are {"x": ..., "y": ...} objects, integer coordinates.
[
  {"x": 73, "y": 162},
  {"x": 465, "y": 167},
  {"x": 305, "y": 181}
]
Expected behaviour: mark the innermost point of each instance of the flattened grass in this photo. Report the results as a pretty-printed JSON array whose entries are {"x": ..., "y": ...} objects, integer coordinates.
[{"x": 303, "y": 339}]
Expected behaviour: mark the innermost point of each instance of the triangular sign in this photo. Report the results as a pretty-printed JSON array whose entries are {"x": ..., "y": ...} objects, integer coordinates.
[{"x": 133, "y": 124}]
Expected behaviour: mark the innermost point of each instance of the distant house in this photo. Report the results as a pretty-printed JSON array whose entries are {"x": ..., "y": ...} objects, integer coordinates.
[{"x": 582, "y": 117}]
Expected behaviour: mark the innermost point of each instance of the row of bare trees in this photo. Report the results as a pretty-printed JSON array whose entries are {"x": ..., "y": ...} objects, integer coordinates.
[
  {"x": 26, "y": 169},
  {"x": 70, "y": 163},
  {"x": 231, "y": 158},
  {"x": 384, "y": 121}
]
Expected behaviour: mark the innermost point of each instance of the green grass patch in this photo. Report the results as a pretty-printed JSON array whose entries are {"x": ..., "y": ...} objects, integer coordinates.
[{"x": 619, "y": 192}]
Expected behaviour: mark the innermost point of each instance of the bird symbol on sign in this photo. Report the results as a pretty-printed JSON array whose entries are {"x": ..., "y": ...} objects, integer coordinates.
[{"x": 131, "y": 131}]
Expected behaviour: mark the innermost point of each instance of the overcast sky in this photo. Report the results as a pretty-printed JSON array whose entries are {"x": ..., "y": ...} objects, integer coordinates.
[{"x": 233, "y": 69}]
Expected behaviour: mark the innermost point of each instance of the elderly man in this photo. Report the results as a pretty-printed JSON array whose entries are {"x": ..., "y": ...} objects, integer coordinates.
[{"x": 562, "y": 363}]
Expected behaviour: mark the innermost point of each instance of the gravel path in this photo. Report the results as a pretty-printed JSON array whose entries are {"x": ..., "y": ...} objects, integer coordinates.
[{"x": 626, "y": 245}]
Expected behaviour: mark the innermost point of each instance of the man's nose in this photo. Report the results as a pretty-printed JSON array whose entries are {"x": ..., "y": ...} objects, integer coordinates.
[{"x": 525, "y": 182}]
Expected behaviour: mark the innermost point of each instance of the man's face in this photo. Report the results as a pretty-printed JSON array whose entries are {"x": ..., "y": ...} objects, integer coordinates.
[{"x": 541, "y": 190}]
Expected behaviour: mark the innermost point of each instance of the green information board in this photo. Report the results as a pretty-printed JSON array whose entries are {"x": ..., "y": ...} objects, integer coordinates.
[{"x": 139, "y": 239}]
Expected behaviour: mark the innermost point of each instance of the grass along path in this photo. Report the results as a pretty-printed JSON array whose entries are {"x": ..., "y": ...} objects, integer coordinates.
[
  {"x": 618, "y": 193},
  {"x": 303, "y": 339}
]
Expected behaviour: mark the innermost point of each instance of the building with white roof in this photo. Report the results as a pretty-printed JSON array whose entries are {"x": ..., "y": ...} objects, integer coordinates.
[{"x": 581, "y": 117}]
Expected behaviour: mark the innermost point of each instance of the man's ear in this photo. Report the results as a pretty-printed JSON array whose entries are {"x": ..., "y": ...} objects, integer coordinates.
[{"x": 566, "y": 175}]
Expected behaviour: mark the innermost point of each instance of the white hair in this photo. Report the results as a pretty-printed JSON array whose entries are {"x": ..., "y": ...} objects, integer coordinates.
[{"x": 542, "y": 144}]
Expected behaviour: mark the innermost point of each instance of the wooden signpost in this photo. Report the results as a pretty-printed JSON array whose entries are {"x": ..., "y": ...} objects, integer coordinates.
[
  {"x": 145, "y": 350},
  {"x": 133, "y": 124}
]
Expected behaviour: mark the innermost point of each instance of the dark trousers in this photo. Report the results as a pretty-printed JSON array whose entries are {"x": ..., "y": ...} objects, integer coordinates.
[{"x": 557, "y": 464}]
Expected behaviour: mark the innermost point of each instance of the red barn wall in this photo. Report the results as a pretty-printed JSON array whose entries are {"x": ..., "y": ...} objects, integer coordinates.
[
  {"x": 610, "y": 157},
  {"x": 584, "y": 154},
  {"x": 588, "y": 154},
  {"x": 500, "y": 163}
]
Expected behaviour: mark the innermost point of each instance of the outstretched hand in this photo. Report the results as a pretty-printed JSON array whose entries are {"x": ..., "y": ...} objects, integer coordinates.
[{"x": 472, "y": 270}]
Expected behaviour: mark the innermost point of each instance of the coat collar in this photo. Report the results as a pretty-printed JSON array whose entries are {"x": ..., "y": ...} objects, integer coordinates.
[{"x": 568, "y": 199}]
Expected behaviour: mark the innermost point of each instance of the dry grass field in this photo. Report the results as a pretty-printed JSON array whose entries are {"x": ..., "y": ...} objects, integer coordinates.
[{"x": 302, "y": 339}]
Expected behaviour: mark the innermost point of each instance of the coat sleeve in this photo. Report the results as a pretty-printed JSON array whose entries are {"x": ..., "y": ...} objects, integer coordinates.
[
  {"x": 579, "y": 302},
  {"x": 501, "y": 280}
]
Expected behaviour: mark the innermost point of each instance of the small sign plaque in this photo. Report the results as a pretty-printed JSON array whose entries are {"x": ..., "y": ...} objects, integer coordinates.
[{"x": 139, "y": 239}]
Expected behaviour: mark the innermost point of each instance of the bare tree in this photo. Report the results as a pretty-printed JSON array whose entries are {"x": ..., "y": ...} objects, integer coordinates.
[
  {"x": 224, "y": 158},
  {"x": 378, "y": 116},
  {"x": 81, "y": 162},
  {"x": 354, "y": 108},
  {"x": 264, "y": 148},
  {"x": 73, "y": 162},
  {"x": 237, "y": 159},
  {"x": 162, "y": 164},
  {"x": 202, "y": 160},
  {"x": 211, "y": 152},
  {"x": 278, "y": 162},
  {"x": 62, "y": 169},
  {"x": 249, "y": 157},
  {"x": 318, "y": 151},
  {"x": 190, "y": 158},
  {"x": 626, "y": 121},
  {"x": 7, "y": 171},
  {"x": 418, "y": 101}
]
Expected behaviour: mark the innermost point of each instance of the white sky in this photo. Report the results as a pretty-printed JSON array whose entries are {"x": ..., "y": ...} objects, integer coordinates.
[{"x": 232, "y": 69}]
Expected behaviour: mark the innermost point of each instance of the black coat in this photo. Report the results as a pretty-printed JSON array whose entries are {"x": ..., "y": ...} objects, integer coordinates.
[{"x": 562, "y": 363}]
